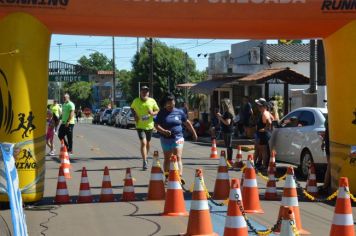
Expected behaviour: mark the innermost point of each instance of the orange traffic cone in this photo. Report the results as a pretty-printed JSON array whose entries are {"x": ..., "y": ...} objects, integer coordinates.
[
  {"x": 288, "y": 222},
  {"x": 290, "y": 199},
  {"x": 107, "y": 194},
  {"x": 214, "y": 150},
  {"x": 62, "y": 191},
  {"x": 199, "y": 222},
  {"x": 222, "y": 183},
  {"x": 343, "y": 223},
  {"x": 129, "y": 191},
  {"x": 84, "y": 191},
  {"x": 250, "y": 193},
  {"x": 272, "y": 160},
  {"x": 235, "y": 223},
  {"x": 312, "y": 187},
  {"x": 174, "y": 204},
  {"x": 156, "y": 189},
  {"x": 65, "y": 163},
  {"x": 271, "y": 189},
  {"x": 238, "y": 162},
  {"x": 62, "y": 150}
]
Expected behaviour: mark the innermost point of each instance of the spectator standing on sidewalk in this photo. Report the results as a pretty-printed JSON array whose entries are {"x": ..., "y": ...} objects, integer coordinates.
[
  {"x": 263, "y": 127},
  {"x": 215, "y": 125},
  {"x": 65, "y": 132},
  {"x": 227, "y": 125},
  {"x": 144, "y": 109},
  {"x": 326, "y": 147},
  {"x": 78, "y": 114},
  {"x": 246, "y": 114}
]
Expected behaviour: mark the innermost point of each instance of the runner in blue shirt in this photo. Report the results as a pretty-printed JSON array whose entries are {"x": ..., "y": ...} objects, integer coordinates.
[{"x": 168, "y": 123}]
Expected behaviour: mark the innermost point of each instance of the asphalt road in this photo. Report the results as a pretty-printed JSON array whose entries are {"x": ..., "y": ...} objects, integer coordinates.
[{"x": 98, "y": 146}]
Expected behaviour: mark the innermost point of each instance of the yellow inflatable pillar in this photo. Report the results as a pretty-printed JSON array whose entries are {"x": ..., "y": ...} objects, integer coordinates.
[
  {"x": 340, "y": 50},
  {"x": 24, "y": 52}
]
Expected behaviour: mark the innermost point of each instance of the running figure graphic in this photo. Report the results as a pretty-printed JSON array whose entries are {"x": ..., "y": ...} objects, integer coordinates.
[
  {"x": 29, "y": 124},
  {"x": 26, "y": 155},
  {"x": 21, "y": 117}
]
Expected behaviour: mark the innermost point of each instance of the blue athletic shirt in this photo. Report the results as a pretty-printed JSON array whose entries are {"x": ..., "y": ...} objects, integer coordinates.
[{"x": 171, "y": 121}]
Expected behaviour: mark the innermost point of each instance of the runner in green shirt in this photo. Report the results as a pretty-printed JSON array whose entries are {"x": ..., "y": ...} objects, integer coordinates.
[
  {"x": 144, "y": 109},
  {"x": 66, "y": 128}
]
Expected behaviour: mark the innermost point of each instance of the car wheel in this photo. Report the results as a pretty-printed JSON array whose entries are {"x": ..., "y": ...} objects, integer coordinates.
[{"x": 305, "y": 160}]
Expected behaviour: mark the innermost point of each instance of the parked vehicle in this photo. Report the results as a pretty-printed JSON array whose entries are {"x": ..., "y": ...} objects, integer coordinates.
[
  {"x": 128, "y": 120},
  {"x": 121, "y": 114},
  {"x": 97, "y": 115},
  {"x": 112, "y": 118},
  {"x": 298, "y": 138},
  {"x": 104, "y": 118}
]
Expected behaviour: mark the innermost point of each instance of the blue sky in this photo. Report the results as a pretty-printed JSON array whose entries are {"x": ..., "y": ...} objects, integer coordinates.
[{"x": 73, "y": 47}]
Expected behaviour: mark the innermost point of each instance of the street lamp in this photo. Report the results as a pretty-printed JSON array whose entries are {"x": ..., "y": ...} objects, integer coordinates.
[
  {"x": 59, "y": 71},
  {"x": 59, "y": 51}
]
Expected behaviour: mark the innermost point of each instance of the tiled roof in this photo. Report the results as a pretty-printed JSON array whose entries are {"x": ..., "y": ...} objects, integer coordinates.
[
  {"x": 287, "y": 52},
  {"x": 283, "y": 74}
]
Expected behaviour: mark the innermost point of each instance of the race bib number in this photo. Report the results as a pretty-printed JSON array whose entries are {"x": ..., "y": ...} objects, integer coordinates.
[
  {"x": 180, "y": 141},
  {"x": 146, "y": 117}
]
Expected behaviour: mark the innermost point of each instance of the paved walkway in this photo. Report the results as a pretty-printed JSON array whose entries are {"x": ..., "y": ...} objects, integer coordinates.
[{"x": 98, "y": 146}]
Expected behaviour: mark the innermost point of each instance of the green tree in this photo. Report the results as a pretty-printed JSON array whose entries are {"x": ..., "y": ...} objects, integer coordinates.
[
  {"x": 80, "y": 93},
  {"x": 124, "y": 82},
  {"x": 169, "y": 67},
  {"x": 105, "y": 102},
  {"x": 96, "y": 61}
]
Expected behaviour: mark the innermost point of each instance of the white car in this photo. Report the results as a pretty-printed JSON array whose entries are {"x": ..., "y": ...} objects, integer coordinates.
[
  {"x": 124, "y": 110},
  {"x": 298, "y": 138},
  {"x": 128, "y": 120}
]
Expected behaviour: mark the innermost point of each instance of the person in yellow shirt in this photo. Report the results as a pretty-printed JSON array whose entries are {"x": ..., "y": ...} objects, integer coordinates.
[
  {"x": 144, "y": 109},
  {"x": 56, "y": 110}
]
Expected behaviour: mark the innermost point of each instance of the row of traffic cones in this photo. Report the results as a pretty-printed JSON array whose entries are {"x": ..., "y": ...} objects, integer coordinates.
[
  {"x": 214, "y": 154},
  {"x": 156, "y": 189},
  {"x": 62, "y": 195},
  {"x": 200, "y": 224}
]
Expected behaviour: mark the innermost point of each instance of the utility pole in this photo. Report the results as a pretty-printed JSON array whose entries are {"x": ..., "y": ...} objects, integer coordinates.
[
  {"x": 138, "y": 45},
  {"x": 312, "y": 85},
  {"x": 113, "y": 73},
  {"x": 186, "y": 77},
  {"x": 150, "y": 52}
]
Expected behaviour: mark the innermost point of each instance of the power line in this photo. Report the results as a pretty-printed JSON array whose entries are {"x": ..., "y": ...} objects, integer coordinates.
[{"x": 199, "y": 45}]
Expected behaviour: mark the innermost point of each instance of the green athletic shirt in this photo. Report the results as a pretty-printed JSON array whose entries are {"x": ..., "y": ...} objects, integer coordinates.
[
  {"x": 66, "y": 109},
  {"x": 141, "y": 108},
  {"x": 56, "y": 109}
]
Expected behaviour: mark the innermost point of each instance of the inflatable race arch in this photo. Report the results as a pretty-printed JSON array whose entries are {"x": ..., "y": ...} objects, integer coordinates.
[{"x": 26, "y": 27}]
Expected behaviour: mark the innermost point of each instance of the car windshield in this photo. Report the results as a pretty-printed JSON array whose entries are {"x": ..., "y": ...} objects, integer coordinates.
[
  {"x": 126, "y": 110},
  {"x": 108, "y": 111}
]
